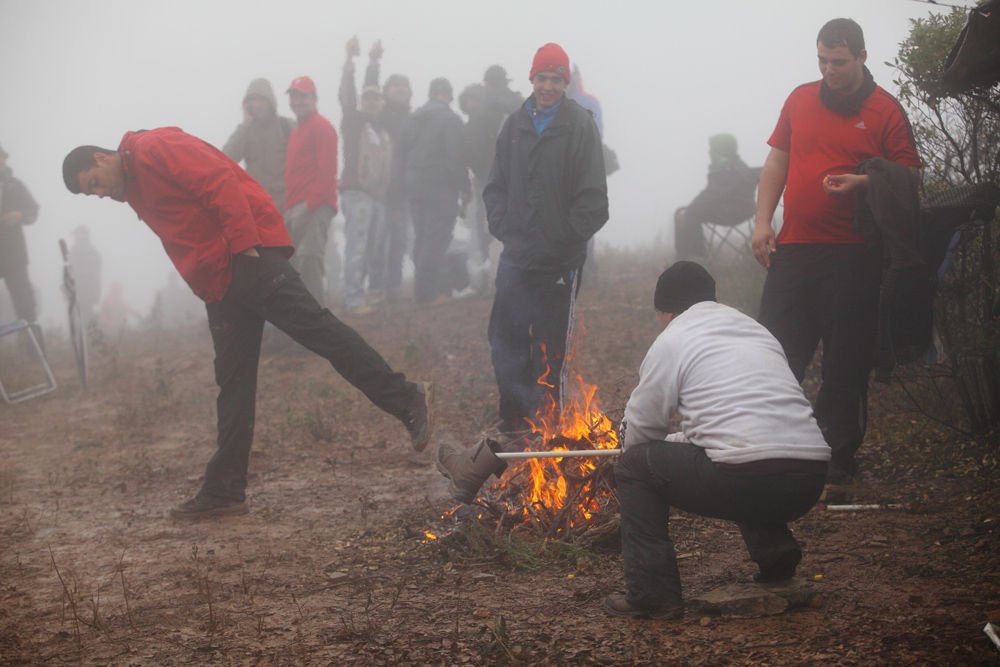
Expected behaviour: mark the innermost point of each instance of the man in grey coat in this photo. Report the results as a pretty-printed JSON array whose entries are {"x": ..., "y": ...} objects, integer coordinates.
[{"x": 261, "y": 140}]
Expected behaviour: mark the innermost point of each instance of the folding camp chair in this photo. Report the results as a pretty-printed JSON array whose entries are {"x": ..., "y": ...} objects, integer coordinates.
[
  {"x": 34, "y": 349},
  {"x": 733, "y": 239},
  {"x": 728, "y": 239}
]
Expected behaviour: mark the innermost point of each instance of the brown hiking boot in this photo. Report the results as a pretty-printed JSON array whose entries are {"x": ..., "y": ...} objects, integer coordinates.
[{"x": 468, "y": 469}]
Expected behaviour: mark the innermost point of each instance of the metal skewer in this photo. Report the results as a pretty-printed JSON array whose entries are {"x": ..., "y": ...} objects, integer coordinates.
[{"x": 558, "y": 455}]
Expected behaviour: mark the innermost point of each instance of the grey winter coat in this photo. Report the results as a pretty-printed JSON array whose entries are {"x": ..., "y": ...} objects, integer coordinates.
[{"x": 262, "y": 145}]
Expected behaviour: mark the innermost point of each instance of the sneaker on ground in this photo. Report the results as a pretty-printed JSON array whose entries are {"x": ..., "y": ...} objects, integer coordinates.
[
  {"x": 780, "y": 568},
  {"x": 838, "y": 476},
  {"x": 616, "y": 605},
  {"x": 205, "y": 506},
  {"x": 420, "y": 421}
]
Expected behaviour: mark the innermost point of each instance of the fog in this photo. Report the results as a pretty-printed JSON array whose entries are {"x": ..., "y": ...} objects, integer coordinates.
[{"x": 669, "y": 75}]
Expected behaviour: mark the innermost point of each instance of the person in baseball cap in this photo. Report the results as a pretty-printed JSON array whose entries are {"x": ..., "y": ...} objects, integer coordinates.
[
  {"x": 302, "y": 84},
  {"x": 310, "y": 184}
]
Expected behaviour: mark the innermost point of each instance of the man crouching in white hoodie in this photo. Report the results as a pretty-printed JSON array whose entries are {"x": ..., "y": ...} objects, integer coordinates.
[{"x": 748, "y": 450}]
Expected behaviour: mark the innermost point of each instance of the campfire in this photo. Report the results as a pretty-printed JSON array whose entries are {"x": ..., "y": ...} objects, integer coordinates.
[{"x": 566, "y": 498}]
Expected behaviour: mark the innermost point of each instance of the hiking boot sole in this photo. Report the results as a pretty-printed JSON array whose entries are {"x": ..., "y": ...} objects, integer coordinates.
[
  {"x": 224, "y": 510},
  {"x": 420, "y": 443},
  {"x": 615, "y": 608}
]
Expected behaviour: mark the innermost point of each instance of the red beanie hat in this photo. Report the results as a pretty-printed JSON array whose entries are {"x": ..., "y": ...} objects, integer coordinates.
[{"x": 550, "y": 58}]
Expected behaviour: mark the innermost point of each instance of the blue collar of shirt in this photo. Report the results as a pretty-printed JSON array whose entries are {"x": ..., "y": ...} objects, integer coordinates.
[{"x": 541, "y": 117}]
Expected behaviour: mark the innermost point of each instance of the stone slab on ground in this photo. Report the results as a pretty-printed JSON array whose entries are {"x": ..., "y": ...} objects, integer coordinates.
[{"x": 756, "y": 600}]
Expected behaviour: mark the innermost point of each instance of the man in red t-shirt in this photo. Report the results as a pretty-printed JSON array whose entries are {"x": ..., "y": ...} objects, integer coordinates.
[
  {"x": 310, "y": 184},
  {"x": 822, "y": 281},
  {"x": 228, "y": 241}
]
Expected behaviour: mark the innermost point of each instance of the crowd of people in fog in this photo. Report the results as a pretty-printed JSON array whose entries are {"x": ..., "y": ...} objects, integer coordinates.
[
  {"x": 530, "y": 173},
  {"x": 406, "y": 177}
]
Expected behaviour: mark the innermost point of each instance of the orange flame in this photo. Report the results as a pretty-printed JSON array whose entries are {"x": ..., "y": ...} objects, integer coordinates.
[{"x": 580, "y": 422}]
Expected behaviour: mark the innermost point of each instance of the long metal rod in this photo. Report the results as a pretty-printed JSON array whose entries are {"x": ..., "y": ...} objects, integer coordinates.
[{"x": 558, "y": 455}]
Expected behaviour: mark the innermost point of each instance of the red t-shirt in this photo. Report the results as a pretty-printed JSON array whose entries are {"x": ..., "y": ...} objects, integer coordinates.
[
  {"x": 204, "y": 207},
  {"x": 311, "y": 164},
  {"x": 821, "y": 142}
]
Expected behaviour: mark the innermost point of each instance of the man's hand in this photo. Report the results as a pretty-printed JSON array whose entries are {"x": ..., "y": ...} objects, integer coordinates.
[
  {"x": 353, "y": 47},
  {"x": 375, "y": 53},
  {"x": 842, "y": 184},
  {"x": 763, "y": 243},
  {"x": 251, "y": 252},
  {"x": 12, "y": 218}
]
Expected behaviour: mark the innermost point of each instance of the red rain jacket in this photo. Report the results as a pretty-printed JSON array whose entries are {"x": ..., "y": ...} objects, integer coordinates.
[
  {"x": 311, "y": 164},
  {"x": 204, "y": 207}
]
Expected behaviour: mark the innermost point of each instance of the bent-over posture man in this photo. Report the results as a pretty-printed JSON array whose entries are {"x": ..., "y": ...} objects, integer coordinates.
[
  {"x": 225, "y": 236},
  {"x": 822, "y": 280},
  {"x": 748, "y": 449}
]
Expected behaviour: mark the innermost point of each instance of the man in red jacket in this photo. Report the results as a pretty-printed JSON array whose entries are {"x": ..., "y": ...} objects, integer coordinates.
[
  {"x": 310, "y": 183},
  {"x": 228, "y": 241}
]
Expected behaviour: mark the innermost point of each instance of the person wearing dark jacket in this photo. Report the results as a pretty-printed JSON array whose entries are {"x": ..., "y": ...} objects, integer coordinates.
[
  {"x": 17, "y": 208},
  {"x": 261, "y": 140},
  {"x": 728, "y": 198},
  {"x": 434, "y": 175},
  {"x": 390, "y": 241},
  {"x": 228, "y": 241},
  {"x": 363, "y": 183},
  {"x": 485, "y": 121},
  {"x": 546, "y": 196}
]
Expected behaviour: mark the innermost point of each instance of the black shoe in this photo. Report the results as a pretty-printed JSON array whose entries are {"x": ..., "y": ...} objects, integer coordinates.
[
  {"x": 468, "y": 469},
  {"x": 204, "y": 506},
  {"x": 780, "y": 568},
  {"x": 839, "y": 476},
  {"x": 616, "y": 605},
  {"x": 420, "y": 421}
]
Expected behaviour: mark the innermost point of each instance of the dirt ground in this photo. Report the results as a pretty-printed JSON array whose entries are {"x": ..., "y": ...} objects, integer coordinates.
[{"x": 330, "y": 566}]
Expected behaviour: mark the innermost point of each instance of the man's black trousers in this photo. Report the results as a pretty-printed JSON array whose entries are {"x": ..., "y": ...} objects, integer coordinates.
[
  {"x": 268, "y": 289},
  {"x": 655, "y": 476},
  {"x": 829, "y": 293}
]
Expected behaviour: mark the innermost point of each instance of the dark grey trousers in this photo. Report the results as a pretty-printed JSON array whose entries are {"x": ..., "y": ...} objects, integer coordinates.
[
  {"x": 269, "y": 289},
  {"x": 655, "y": 476}
]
